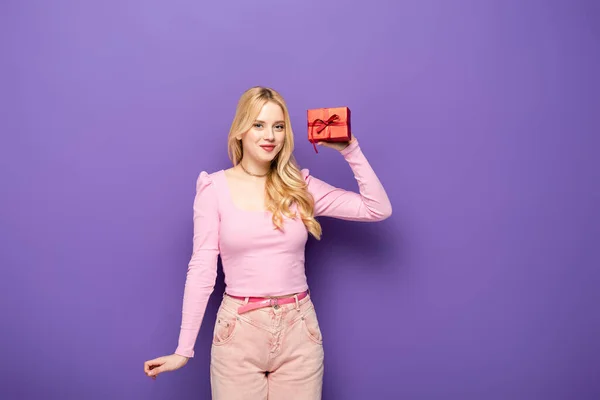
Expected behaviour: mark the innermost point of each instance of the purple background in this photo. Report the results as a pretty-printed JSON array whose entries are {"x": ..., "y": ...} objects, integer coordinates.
[{"x": 481, "y": 118}]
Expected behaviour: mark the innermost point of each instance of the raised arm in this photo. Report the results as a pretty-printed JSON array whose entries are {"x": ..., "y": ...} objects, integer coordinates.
[
  {"x": 202, "y": 268},
  {"x": 370, "y": 204}
]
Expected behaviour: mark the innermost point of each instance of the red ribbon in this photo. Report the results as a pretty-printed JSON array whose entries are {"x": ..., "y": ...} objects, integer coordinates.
[{"x": 323, "y": 126}]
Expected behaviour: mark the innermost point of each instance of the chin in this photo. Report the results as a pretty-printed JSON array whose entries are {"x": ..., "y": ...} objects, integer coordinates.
[
  {"x": 274, "y": 156},
  {"x": 263, "y": 158},
  {"x": 269, "y": 159},
  {"x": 268, "y": 156}
]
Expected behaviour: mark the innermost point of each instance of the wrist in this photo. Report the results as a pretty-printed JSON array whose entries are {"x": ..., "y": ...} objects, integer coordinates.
[
  {"x": 350, "y": 146},
  {"x": 344, "y": 146}
]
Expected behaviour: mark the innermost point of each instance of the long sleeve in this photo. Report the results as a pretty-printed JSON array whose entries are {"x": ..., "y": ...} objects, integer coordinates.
[
  {"x": 202, "y": 268},
  {"x": 370, "y": 204}
]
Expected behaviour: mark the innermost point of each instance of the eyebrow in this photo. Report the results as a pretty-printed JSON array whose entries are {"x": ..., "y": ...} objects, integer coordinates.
[{"x": 258, "y": 120}]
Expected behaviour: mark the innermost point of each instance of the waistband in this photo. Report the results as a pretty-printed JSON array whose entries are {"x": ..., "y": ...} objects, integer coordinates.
[{"x": 254, "y": 303}]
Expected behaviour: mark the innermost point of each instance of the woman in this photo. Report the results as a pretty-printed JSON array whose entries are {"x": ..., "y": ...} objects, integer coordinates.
[{"x": 257, "y": 216}]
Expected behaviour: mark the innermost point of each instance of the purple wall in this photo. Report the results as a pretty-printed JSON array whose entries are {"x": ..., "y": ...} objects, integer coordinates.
[{"x": 481, "y": 118}]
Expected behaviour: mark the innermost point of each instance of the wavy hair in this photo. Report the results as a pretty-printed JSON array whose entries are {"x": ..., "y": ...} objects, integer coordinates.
[{"x": 285, "y": 184}]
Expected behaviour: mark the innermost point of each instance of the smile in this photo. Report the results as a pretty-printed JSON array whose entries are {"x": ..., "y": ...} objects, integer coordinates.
[{"x": 268, "y": 148}]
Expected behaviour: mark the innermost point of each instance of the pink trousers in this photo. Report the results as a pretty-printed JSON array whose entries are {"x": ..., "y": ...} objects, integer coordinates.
[{"x": 273, "y": 353}]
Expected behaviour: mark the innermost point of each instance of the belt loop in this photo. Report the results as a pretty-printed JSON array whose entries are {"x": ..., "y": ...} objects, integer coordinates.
[
  {"x": 246, "y": 300},
  {"x": 297, "y": 304}
]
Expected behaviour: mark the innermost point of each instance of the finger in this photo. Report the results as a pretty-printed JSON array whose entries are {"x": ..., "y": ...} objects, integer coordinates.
[
  {"x": 147, "y": 366},
  {"x": 157, "y": 370},
  {"x": 157, "y": 362},
  {"x": 152, "y": 364}
]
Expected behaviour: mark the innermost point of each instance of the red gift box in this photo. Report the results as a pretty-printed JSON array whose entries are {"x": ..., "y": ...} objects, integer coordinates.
[{"x": 329, "y": 125}]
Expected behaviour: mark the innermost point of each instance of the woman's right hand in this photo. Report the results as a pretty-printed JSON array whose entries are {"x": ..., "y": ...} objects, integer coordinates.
[{"x": 163, "y": 364}]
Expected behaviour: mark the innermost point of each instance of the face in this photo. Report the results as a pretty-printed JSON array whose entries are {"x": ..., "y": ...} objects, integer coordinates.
[{"x": 265, "y": 138}]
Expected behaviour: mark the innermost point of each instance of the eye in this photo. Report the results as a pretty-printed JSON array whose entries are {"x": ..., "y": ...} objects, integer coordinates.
[
  {"x": 280, "y": 127},
  {"x": 257, "y": 125}
]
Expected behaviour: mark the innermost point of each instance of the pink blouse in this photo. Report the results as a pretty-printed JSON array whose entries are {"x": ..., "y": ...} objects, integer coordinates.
[{"x": 257, "y": 259}]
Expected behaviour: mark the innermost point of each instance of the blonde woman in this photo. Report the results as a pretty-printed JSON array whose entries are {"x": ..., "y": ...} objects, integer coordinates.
[{"x": 257, "y": 216}]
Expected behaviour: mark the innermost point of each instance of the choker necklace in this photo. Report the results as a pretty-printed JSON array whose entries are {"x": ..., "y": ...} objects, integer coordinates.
[{"x": 250, "y": 173}]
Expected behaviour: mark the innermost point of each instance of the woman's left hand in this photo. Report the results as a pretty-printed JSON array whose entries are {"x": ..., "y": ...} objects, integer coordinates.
[{"x": 339, "y": 146}]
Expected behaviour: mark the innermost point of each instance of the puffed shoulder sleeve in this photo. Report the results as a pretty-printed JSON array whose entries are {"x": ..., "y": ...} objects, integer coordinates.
[
  {"x": 371, "y": 203},
  {"x": 202, "y": 267}
]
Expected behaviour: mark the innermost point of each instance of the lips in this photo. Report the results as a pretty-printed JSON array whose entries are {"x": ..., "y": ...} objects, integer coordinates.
[{"x": 268, "y": 148}]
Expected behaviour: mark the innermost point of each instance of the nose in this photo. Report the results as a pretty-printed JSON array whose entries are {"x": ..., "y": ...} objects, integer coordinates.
[{"x": 269, "y": 135}]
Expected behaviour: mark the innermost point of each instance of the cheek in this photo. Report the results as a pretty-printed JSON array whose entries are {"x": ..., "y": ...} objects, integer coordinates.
[
  {"x": 250, "y": 139},
  {"x": 281, "y": 137}
]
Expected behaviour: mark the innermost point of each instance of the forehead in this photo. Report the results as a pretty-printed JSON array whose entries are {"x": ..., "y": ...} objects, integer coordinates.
[{"x": 270, "y": 112}]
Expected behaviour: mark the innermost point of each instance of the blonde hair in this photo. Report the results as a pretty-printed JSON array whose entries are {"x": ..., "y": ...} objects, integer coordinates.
[{"x": 285, "y": 184}]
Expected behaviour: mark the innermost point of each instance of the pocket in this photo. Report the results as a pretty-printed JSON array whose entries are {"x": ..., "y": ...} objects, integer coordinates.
[
  {"x": 225, "y": 327},
  {"x": 310, "y": 322}
]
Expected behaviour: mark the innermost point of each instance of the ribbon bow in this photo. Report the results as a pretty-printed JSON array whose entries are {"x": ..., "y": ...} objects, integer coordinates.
[{"x": 323, "y": 125}]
